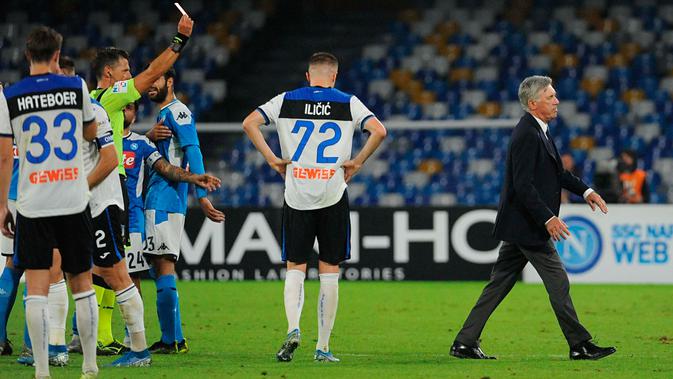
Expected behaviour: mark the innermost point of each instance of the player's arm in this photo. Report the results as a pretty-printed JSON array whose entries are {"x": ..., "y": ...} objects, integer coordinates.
[
  {"x": 377, "y": 132},
  {"x": 90, "y": 130},
  {"x": 165, "y": 60},
  {"x": 251, "y": 126},
  {"x": 106, "y": 164},
  {"x": 195, "y": 161},
  {"x": 177, "y": 174},
  {"x": 90, "y": 126},
  {"x": 6, "y": 165}
]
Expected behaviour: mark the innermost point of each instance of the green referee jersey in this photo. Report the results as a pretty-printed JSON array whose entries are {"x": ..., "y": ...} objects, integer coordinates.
[{"x": 114, "y": 99}]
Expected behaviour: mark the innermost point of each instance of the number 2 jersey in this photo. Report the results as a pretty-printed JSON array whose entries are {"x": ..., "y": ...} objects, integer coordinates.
[
  {"x": 315, "y": 127},
  {"x": 107, "y": 192},
  {"x": 45, "y": 114}
]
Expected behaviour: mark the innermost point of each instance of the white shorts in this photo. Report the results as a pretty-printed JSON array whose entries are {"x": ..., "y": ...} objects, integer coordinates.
[
  {"x": 163, "y": 231},
  {"x": 134, "y": 254},
  {"x": 7, "y": 244}
]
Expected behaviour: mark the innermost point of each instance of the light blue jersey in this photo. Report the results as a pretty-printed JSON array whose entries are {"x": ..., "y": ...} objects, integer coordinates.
[
  {"x": 181, "y": 150},
  {"x": 139, "y": 152},
  {"x": 15, "y": 175}
]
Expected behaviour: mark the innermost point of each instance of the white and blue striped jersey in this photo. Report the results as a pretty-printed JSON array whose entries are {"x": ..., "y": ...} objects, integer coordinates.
[{"x": 315, "y": 127}]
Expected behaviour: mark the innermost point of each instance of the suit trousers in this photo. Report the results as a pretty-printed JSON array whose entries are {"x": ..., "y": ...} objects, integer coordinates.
[{"x": 511, "y": 260}]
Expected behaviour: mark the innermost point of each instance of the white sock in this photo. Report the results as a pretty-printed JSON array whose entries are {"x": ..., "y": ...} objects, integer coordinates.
[
  {"x": 294, "y": 297},
  {"x": 58, "y": 312},
  {"x": 87, "y": 325},
  {"x": 131, "y": 307},
  {"x": 37, "y": 317},
  {"x": 327, "y": 308}
]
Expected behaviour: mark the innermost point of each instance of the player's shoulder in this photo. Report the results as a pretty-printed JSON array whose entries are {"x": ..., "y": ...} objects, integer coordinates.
[
  {"x": 133, "y": 136},
  {"x": 120, "y": 87},
  {"x": 42, "y": 83},
  {"x": 179, "y": 111},
  {"x": 318, "y": 94}
]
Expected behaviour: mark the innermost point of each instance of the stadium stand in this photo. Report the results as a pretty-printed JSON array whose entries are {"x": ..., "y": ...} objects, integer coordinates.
[{"x": 445, "y": 60}]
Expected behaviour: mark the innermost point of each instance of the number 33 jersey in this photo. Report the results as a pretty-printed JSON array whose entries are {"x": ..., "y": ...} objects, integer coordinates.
[
  {"x": 315, "y": 127},
  {"x": 45, "y": 115}
]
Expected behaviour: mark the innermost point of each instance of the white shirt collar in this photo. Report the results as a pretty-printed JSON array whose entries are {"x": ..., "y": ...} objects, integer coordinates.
[{"x": 543, "y": 124}]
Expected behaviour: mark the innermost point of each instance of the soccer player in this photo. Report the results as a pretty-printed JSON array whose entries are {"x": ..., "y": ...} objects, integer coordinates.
[
  {"x": 315, "y": 125},
  {"x": 141, "y": 153},
  {"x": 116, "y": 89},
  {"x": 9, "y": 280},
  {"x": 49, "y": 116},
  {"x": 165, "y": 208}
]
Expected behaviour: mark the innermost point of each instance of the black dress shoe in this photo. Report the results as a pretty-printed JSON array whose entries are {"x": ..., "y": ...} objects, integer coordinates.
[
  {"x": 588, "y": 350},
  {"x": 459, "y": 350}
]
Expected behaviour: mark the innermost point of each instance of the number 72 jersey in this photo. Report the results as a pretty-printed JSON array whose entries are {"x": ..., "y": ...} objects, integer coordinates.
[
  {"x": 45, "y": 114},
  {"x": 315, "y": 127}
]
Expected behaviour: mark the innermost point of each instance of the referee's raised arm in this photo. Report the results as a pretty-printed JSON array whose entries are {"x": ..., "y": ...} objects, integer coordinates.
[{"x": 165, "y": 60}]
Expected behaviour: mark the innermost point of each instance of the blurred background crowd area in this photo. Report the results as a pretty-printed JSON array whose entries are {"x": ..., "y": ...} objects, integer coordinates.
[{"x": 412, "y": 63}]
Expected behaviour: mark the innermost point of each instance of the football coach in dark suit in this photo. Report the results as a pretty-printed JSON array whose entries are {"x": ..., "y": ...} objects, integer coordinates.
[{"x": 527, "y": 221}]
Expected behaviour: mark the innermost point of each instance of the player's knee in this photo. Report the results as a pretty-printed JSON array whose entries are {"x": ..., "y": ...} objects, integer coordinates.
[{"x": 163, "y": 266}]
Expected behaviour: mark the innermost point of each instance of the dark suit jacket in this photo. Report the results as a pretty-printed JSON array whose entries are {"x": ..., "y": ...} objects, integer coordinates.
[{"x": 531, "y": 193}]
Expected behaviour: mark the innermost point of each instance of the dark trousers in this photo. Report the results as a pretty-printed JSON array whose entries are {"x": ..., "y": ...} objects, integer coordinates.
[{"x": 511, "y": 260}]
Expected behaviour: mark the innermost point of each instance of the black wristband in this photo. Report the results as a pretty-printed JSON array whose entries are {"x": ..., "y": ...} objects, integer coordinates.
[{"x": 179, "y": 42}]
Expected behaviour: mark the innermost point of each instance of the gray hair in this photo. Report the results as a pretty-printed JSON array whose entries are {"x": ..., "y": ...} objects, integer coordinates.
[{"x": 530, "y": 89}]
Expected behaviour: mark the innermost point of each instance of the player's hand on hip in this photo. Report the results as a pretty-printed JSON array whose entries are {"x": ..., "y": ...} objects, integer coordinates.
[
  {"x": 159, "y": 132},
  {"x": 350, "y": 169},
  {"x": 210, "y": 211},
  {"x": 595, "y": 200},
  {"x": 185, "y": 25},
  {"x": 7, "y": 226},
  {"x": 208, "y": 182},
  {"x": 557, "y": 229},
  {"x": 280, "y": 165}
]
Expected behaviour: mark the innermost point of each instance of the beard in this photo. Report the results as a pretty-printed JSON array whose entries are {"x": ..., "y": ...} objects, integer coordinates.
[{"x": 161, "y": 95}]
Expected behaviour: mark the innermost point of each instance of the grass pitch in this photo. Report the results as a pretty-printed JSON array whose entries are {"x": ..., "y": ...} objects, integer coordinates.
[{"x": 396, "y": 330}]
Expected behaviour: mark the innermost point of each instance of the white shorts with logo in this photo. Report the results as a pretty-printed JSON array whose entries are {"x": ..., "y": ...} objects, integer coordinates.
[
  {"x": 163, "y": 231},
  {"x": 7, "y": 244},
  {"x": 135, "y": 261}
]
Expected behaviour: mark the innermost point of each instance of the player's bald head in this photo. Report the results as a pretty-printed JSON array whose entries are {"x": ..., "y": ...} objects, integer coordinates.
[{"x": 322, "y": 63}]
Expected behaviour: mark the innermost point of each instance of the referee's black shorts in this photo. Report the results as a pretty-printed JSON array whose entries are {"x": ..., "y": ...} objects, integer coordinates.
[{"x": 330, "y": 225}]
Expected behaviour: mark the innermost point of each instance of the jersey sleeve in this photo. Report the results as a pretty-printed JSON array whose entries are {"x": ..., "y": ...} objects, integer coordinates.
[
  {"x": 120, "y": 95},
  {"x": 271, "y": 109},
  {"x": 104, "y": 131},
  {"x": 88, "y": 114},
  {"x": 360, "y": 112},
  {"x": 183, "y": 125},
  {"x": 5, "y": 122},
  {"x": 150, "y": 153}
]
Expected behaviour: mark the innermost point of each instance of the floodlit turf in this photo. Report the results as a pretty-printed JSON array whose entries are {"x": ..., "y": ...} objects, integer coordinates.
[{"x": 398, "y": 330}]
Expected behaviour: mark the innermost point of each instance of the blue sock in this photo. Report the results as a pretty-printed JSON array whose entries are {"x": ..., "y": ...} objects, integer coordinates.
[
  {"x": 26, "y": 336},
  {"x": 178, "y": 322},
  {"x": 9, "y": 283},
  {"x": 167, "y": 301},
  {"x": 74, "y": 324}
]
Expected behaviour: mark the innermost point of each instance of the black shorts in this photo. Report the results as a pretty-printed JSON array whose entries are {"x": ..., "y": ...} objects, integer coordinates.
[
  {"x": 330, "y": 225},
  {"x": 36, "y": 238},
  {"x": 125, "y": 213},
  {"x": 108, "y": 237}
]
